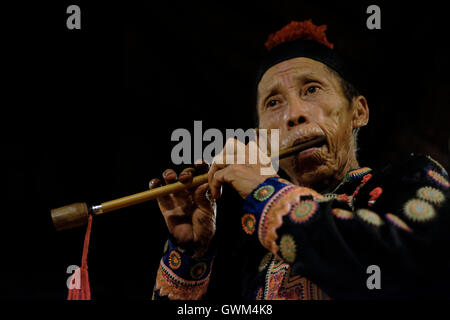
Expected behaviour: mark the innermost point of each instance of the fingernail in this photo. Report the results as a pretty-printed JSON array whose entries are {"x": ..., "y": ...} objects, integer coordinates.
[{"x": 185, "y": 174}]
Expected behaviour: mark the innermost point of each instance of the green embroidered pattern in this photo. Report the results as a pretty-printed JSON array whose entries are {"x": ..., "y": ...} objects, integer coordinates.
[
  {"x": 418, "y": 210},
  {"x": 431, "y": 194},
  {"x": 263, "y": 193},
  {"x": 370, "y": 217},
  {"x": 288, "y": 248},
  {"x": 303, "y": 211}
]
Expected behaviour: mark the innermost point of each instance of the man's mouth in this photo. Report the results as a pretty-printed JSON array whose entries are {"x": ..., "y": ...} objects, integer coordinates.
[
  {"x": 314, "y": 147},
  {"x": 319, "y": 143}
]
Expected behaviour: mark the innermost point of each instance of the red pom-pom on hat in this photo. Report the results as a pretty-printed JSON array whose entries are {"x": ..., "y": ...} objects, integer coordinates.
[{"x": 298, "y": 30}]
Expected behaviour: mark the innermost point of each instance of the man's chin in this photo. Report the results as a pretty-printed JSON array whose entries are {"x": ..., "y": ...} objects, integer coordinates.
[
  {"x": 308, "y": 162},
  {"x": 311, "y": 170}
]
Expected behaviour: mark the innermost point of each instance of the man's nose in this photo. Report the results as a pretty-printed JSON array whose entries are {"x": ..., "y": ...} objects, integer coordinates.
[{"x": 297, "y": 116}]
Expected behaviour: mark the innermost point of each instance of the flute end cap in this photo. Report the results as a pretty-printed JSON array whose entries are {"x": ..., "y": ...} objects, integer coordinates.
[{"x": 70, "y": 216}]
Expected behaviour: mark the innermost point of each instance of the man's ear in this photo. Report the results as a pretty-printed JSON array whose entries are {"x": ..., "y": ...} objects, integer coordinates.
[{"x": 360, "y": 112}]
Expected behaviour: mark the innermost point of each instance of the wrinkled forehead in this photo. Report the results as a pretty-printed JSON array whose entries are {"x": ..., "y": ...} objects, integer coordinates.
[{"x": 289, "y": 71}]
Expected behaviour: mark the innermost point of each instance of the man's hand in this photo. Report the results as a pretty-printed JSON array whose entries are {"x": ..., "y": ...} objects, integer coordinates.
[
  {"x": 189, "y": 215},
  {"x": 234, "y": 166}
]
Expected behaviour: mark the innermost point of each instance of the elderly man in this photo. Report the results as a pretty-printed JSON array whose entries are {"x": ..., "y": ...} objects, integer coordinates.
[{"x": 324, "y": 232}]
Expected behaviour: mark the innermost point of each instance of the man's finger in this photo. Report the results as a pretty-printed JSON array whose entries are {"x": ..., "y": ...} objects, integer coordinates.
[
  {"x": 169, "y": 176},
  {"x": 182, "y": 197},
  {"x": 212, "y": 171},
  {"x": 154, "y": 183},
  {"x": 164, "y": 202},
  {"x": 186, "y": 175},
  {"x": 217, "y": 179}
]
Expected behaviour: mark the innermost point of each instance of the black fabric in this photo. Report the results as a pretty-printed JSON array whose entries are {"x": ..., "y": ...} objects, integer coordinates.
[
  {"x": 309, "y": 49},
  {"x": 335, "y": 253}
]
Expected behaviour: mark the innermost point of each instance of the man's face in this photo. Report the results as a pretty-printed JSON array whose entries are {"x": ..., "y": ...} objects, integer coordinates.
[{"x": 303, "y": 99}]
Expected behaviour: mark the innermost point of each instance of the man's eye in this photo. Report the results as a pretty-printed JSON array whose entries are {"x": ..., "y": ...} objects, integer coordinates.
[
  {"x": 272, "y": 103},
  {"x": 312, "y": 89}
]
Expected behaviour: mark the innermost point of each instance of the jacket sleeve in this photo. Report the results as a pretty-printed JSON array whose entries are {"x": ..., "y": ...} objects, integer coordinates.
[
  {"x": 396, "y": 219},
  {"x": 181, "y": 277}
]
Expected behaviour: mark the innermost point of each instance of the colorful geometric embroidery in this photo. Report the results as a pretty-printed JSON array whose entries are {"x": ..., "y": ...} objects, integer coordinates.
[
  {"x": 175, "y": 287},
  {"x": 259, "y": 294},
  {"x": 438, "y": 165},
  {"x": 272, "y": 216},
  {"x": 278, "y": 206},
  {"x": 327, "y": 197},
  {"x": 343, "y": 197},
  {"x": 248, "y": 223},
  {"x": 418, "y": 210},
  {"x": 431, "y": 194},
  {"x": 370, "y": 217},
  {"x": 342, "y": 214},
  {"x": 438, "y": 178},
  {"x": 198, "y": 270},
  {"x": 263, "y": 193},
  {"x": 281, "y": 284},
  {"x": 174, "y": 260},
  {"x": 364, "y": 180},
  {"x": 356, "y": 173},
  {"x": 265, "y": 261},
  {"x": 398, "y": 222},
  {"x": 288, "y": 248},
  {"x": 303, "y": 211}
]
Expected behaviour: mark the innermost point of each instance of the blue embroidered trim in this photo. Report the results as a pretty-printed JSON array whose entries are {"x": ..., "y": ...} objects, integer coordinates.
[
  {"x": 254, "y": 205},
  {"x": 187, "y": 267}
]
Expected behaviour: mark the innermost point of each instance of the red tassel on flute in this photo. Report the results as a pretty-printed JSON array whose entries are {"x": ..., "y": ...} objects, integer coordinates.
[{"x": 84, "y": 292}]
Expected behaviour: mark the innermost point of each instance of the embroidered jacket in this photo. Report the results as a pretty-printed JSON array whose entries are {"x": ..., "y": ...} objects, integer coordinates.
[{"x": 381, "y": 234}]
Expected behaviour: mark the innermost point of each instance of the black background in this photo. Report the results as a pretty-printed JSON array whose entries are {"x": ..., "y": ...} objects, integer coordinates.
[{"x": 87, "y": 115}]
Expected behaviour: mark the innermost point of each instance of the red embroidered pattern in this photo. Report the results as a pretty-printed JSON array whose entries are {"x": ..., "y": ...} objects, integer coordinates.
[
  {"x": 364, "y": 180},
  {"x": 374, "y": 195},
  {"x": 345, "y": 198},
  {"x": 176, "y": 288}
]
